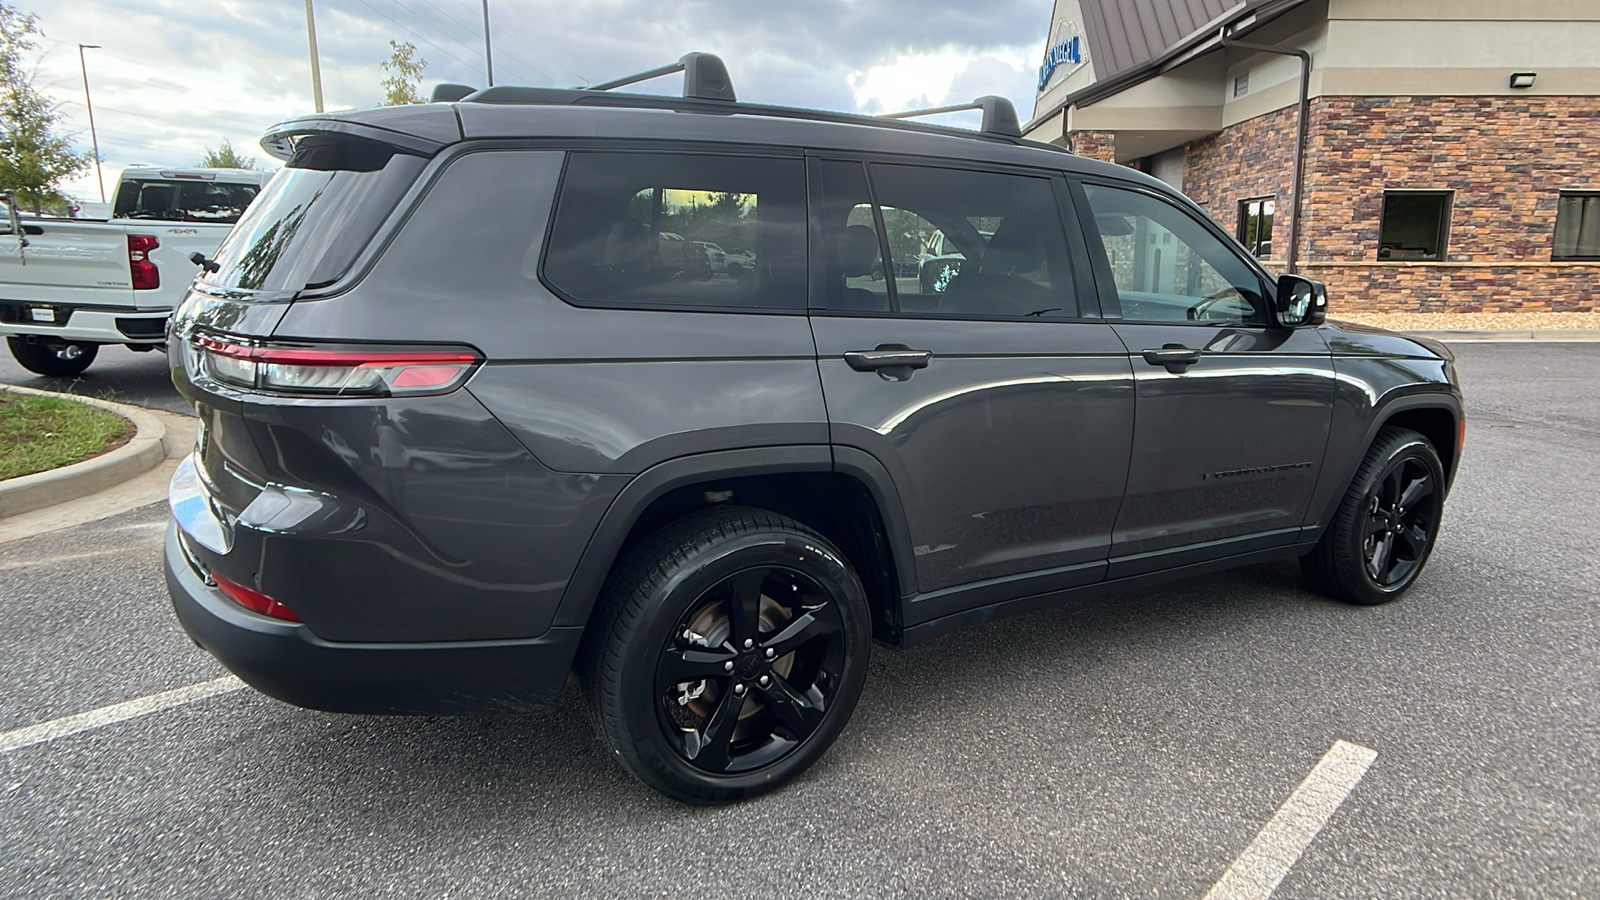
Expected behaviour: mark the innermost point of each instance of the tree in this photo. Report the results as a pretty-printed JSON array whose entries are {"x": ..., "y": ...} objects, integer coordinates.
[
  {"x": 33, "y": 159},
  {"x": 405, "y": 75},
  {"x": 225, "y": 157}
]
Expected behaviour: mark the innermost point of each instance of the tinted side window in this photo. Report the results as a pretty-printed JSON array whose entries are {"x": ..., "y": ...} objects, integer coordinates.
[
  {"x": 852, "y": 256},
  {"x": 974, "y": 243},
  {"x": 680, "y": 230},
  {"x": 1167, "y": 266}
]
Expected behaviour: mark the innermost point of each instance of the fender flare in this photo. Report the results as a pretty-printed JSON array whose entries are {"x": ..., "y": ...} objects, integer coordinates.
[{"x": 600, "y": 554}]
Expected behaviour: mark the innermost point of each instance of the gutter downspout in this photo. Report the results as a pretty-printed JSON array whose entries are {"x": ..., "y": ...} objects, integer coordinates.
[{"x": 1301, "y": 126}]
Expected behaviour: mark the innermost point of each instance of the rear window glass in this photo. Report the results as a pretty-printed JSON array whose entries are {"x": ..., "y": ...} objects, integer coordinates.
[
  {"x": 680, "y": 230},
  {"x": 183, "y": 201},
  {"x": 314, "y": 217}
]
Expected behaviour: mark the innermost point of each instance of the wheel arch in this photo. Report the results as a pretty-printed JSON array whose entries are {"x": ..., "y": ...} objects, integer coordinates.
[
  {"x": 850, "y": 500},
  {"x": 1436, "y": 415}
]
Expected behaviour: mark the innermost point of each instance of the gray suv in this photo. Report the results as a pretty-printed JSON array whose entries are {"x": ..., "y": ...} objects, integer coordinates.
[{"x": 467, "y": 427}]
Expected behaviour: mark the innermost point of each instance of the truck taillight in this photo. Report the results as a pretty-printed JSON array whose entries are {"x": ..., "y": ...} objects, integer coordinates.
[
  {"x": 348, "y": 371},
  {"x": 146, "y": 277}
]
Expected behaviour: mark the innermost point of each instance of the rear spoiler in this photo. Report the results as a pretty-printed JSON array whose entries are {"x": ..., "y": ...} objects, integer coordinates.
[{"x": 416, "y": 130}]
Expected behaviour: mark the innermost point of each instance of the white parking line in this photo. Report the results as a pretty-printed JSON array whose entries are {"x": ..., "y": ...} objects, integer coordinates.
[
  {"x": 1262, "y": 866},
  {"x": 116, "y": 712}
]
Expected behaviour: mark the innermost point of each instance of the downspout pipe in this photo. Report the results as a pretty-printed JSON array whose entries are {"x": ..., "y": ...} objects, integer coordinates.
[{"x": 1301, "y": 127}]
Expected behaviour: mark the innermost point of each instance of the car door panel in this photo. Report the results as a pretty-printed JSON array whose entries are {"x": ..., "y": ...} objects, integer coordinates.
[{"x": 1233, "y": 412}]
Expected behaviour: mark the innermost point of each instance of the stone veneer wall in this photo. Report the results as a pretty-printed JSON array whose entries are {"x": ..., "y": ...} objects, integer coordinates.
[
  {"x": 1505, "y": 158},
  {"x": 1101, "y": 145}
]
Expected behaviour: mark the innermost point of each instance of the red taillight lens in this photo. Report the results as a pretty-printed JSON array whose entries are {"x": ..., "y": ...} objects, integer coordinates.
[
  {"x": 341, "y": 372},
  {"x": 146, "y": 277},
  {"x": 254, "y": 600}
]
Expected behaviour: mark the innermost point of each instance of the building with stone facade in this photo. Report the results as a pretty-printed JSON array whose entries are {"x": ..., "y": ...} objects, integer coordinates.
[{"x": 1451, "y": 156}]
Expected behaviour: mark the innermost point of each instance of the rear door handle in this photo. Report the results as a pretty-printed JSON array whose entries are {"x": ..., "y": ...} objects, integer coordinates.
[
  {"x": 1176, "y": 358},
  {"x": 892, "y": 362},
  {"x": 887, "y": 356}
]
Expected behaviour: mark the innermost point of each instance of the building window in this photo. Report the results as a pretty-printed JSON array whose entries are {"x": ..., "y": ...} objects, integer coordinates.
[
  {"x": 1577, "y": 226},
  {"x": 1415, "y": 225},
  {"x": 1255, "y": 225}
]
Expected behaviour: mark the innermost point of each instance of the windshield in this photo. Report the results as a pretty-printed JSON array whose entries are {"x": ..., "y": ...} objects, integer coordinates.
[
  {"x": 183, "y": 201},
  {"x": 314, "y": 217}
]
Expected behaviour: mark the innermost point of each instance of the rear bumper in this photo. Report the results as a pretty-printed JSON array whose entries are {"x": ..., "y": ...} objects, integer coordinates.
[
  {"x": 88, "y": 325},
  {"x": 286, "y": 661}
]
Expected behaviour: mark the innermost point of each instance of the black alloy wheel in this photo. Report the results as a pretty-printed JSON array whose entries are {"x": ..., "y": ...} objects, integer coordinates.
[
  {"x": 752, "y": 671},
  {"x": 1385, "y": 528},
  {"x": 728, "y": 654}
]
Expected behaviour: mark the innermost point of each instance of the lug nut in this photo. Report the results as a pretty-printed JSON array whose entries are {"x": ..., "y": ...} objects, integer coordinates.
[
  {"x": 765, "y": 681},
  {"x": 727, "y": 666},
  {"x": 771, "y": 653},
  {"x": 748, "y": 643},
  {"x": 738, "y": 689}
]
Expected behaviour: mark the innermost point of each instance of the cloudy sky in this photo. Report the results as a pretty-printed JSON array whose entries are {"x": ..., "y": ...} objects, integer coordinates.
[{"x": 176, "y": 76}]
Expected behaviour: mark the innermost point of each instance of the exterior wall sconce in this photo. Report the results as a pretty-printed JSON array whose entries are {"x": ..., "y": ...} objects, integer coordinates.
[{"x": 1522, "y": 79}]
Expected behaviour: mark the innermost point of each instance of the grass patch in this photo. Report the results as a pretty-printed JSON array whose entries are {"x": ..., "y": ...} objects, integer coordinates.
[{"x": 42, "y": 433}]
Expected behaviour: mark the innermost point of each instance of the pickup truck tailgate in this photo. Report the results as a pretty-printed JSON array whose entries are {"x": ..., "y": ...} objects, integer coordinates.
[{"x": 79, "y": 263}]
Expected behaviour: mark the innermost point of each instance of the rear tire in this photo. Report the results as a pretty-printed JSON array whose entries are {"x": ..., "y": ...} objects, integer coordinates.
[
  {"x": 44, "y": 356},
  {"x": 728, "y": 654},
  {"x": 1384, "y": 529}
]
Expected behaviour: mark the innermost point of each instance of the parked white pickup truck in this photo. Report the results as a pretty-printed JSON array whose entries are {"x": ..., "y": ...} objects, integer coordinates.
[{"x": 69, "y": 285}]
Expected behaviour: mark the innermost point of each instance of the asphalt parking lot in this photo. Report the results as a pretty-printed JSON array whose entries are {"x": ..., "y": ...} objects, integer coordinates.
[{"x": 1131, "y": 747}]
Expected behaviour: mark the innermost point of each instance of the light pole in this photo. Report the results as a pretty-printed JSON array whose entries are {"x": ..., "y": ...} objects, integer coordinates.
[
  {"x": 316, "y": 67},
  {"x": 93, "y": 138},
  {"x": 488, "y": 52}
]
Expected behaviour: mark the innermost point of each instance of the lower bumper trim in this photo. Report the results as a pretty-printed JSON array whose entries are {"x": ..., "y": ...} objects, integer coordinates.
[{"x": 287, "y": 661}]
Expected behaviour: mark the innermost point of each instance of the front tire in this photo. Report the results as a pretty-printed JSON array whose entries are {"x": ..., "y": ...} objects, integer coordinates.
[
  {"x": 1384, "y": 530},
  {"x": 728, "y": 655},
  {"x": 46, "y": 356}
]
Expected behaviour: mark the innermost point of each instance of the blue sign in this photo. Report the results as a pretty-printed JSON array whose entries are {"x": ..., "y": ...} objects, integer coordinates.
[{"x": 1067, "y": 50}]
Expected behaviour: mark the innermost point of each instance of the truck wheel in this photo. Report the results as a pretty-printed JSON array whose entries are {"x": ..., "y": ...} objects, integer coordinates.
[
  {"x": 730, "y": 650},
  {"x": 1385, "y": 527},
  {"x": 51, "y": 357}
]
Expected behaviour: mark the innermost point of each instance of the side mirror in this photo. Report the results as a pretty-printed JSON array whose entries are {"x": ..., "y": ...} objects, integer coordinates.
[{"x": 1301, "y": 301}]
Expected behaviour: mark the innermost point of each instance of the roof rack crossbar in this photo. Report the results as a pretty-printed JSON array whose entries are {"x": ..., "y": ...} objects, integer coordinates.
[
  {"x": 704, "y": 77},
  {"x": 999, "y": 116},
  {"x": 637, "y": 77}
]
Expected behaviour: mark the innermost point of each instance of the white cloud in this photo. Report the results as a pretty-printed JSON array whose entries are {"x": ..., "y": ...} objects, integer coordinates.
[{"x": 177, "y": 76}]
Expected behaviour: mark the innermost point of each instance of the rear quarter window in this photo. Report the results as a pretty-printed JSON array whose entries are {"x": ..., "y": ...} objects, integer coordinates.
[{"x": 680, "y": 230}]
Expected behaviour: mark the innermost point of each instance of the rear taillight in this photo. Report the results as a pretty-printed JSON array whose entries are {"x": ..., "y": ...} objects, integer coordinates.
[
  {"x": 309, "y": 370},
  {"x": 146, "y": 277},
  {"x": 254, "y": 600}
]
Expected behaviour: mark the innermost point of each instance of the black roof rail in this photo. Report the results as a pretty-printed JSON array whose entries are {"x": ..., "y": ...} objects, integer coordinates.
[{"x": 999, "y": 116}]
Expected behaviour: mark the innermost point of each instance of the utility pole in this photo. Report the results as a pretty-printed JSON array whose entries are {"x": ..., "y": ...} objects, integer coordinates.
[
  {"x": 488, "y": 51},
  {"x": 316, "y": 67},
  {"x": 84, "y": 67}
]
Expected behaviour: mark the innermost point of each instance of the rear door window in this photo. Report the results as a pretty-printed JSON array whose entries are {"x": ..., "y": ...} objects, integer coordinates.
[
  {"x": 961, "y": 243},
  {"x": 183, "y": 200},
  {"x": 314, "y": 217},
  {"x": 675, "y": 230}
]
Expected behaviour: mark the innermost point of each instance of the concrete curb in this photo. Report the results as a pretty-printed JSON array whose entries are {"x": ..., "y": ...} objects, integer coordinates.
[
  {"x": 144, "y": 452},
  {"x": 1464, "y": 335}
]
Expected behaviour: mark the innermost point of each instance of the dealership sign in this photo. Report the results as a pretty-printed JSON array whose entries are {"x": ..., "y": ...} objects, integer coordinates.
[{"x": 1064, "y": 55}]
